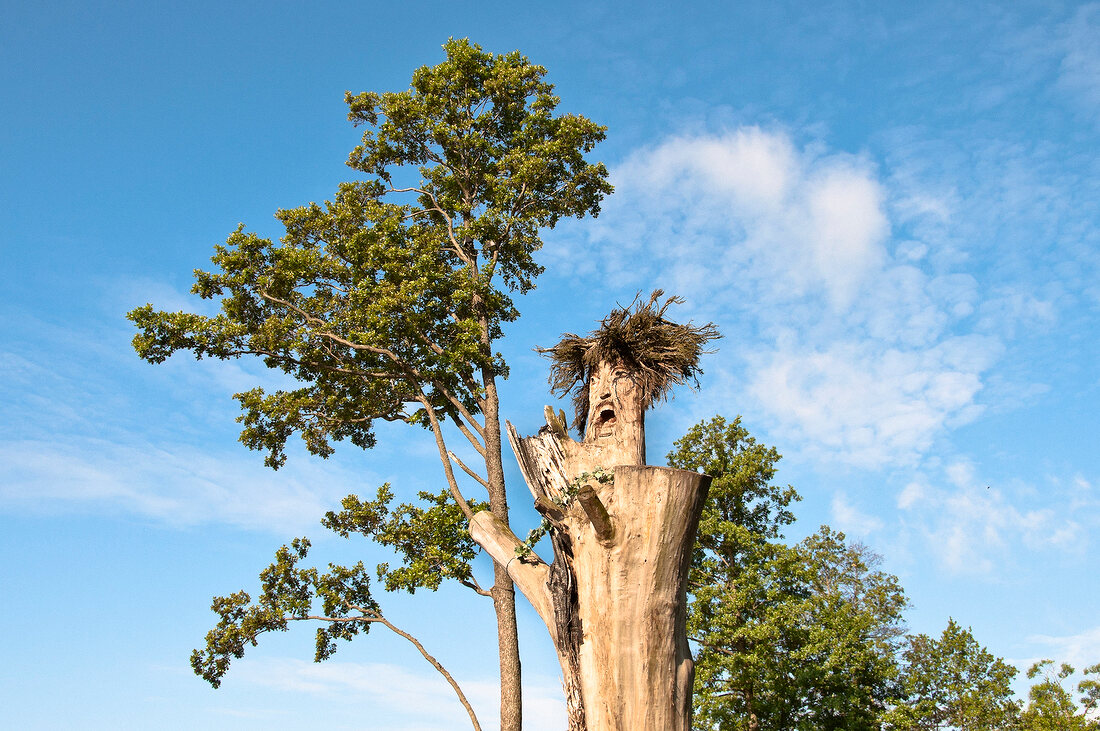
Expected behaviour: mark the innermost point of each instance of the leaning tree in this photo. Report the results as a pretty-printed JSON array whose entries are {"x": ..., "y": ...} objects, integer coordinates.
[{"x": 385, "y": 303}]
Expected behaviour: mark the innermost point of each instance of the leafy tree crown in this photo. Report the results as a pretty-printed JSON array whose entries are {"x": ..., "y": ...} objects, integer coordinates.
[{"x": 384, "y": 302}]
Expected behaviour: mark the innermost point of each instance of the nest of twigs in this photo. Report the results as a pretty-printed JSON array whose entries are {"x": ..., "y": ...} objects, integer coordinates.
[{"x": 658, "y": 352}]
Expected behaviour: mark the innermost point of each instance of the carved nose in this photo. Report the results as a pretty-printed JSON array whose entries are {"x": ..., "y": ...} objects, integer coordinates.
[{"x": 605, "y": 394}]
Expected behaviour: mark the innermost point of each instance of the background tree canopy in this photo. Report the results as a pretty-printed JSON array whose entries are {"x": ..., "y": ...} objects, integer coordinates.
[
  {"x": 789, "y": 637},
  {"x": 811, "y": 635}
]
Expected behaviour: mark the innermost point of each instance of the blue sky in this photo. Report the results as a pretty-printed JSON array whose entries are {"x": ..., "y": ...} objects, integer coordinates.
[{"x": 891, "y": 212}]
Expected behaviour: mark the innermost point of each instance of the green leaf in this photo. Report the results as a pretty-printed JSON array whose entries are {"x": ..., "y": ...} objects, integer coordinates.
[{"x": 384, "y": 302}]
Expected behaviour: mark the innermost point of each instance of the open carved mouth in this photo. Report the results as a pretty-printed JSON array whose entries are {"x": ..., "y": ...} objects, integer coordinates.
[{"x": 604, "y": 420}]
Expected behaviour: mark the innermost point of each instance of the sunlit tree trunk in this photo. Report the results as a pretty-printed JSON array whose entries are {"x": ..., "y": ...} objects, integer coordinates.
[
  {"x": 503, "y": 591},
  {"x": 614, "y": 598}
]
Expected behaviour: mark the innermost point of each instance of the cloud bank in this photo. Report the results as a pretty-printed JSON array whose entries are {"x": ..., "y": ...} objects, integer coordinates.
[{"x": 860, "y": 345}]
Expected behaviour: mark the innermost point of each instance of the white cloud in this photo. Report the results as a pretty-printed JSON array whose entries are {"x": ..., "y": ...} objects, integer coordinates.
[
  {"x": 924, "y": 204},
  {"x": 753, "y": 168},
  {"x": 851, "y": 519},
  {"x": 1080, "y": 650},
  {"x": 848, "y": 225},
  {"x": 867, "y": 404},
  {"x": 960, "y": 474},
  {"x": 1006, "y": 310},
  {"x": 416, "y": 697},
  {"x": 972, "y": 527},
  {"x": 910, "y": 495},
  {"x": 741, "y": 206},
  {"x": 178, "y": 484},
  {"x": 860, "y": 353}
]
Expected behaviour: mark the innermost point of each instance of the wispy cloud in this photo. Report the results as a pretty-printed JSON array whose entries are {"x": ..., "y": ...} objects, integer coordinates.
[
  {"x": 861, "y": 344},
  {"x": 1080, "y": 650},
  {"x": 971, "y": 527},
  {"x": 851, "y": 519},
  {"x": 422, "y": 699},
  {"x": 177, "y": 484},
  {"x": 1079, "y": 70},
  {"x": 86, "y": 427}
]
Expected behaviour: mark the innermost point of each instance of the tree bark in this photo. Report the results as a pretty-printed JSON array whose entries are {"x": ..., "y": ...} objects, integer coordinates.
[
  {"x": 503, "y": 591},
  {"x": 614, "y": 599}
]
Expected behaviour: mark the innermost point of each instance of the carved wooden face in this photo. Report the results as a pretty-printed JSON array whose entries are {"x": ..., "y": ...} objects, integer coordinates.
[{"x": 615, "y": 410}]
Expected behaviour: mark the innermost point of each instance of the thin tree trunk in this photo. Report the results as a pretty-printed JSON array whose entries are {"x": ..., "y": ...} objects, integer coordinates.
[
  {"x": 504, "y": 594},
  {"x": 511, "y": 687}
]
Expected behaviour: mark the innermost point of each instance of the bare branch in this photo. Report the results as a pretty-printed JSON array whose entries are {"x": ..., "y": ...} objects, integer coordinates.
[
  {"x": 467, "y": 470},
  {"x": 470, "y": 435},
  {"x": 372, "y": 616},
  {"x": 473, "y": 583},
  {"x": 438, "y": 666},
  {"x": 442, "y": 446}
]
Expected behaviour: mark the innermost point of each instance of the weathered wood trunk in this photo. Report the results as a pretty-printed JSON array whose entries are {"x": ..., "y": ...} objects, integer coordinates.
[
  {"x": 614, "y": 598},
  {"x": 636, "y": 669}
]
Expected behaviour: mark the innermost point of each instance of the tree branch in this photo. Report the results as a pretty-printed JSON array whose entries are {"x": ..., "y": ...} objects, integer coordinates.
[
  {"x": 477, "y": 445},
  {"x": 402, "y": 364},
  {"x": 597, "y": 514},
  {"x": 467, "y": 470},
  {"x": 458, "y": 251},
  {"x": 473, "y": 583},
  {"x": 372, "y": 616},
  {"x": 442, "y": 446},
  {"x": 530, "y": 574},
  {"x": 466, "y": 377}
]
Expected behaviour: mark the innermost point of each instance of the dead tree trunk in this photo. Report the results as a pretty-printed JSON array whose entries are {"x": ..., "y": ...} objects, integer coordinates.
[{"x": 614, "y": 598}]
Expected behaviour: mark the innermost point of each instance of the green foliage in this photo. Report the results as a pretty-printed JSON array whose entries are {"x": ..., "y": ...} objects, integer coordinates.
[
  {"x": 384, "y": 302},
  {"x": 1050, "y": 706},
  {"x": 742, "y": 508},
  {"x": 952, "y": 682},
  {"x": 430, "y": 539},
  {"x": 809, "y": 636},
  {"x": 288, "y": 593},
  {"x": 789, "y": 637},
  {"x": 854, "y": 618},
  {"x": 1090, "y": 691},
  {"x": 804, "y": 639}
]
